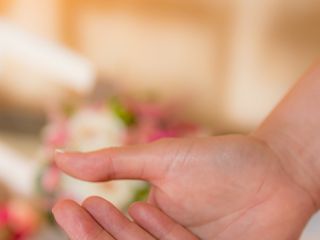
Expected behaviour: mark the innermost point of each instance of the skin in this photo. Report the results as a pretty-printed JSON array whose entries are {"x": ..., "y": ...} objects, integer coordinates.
[{"x": 258, "y": 186}]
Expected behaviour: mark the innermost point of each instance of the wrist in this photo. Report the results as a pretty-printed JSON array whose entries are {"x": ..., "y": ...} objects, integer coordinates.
[{"x": 298, "y": 158}]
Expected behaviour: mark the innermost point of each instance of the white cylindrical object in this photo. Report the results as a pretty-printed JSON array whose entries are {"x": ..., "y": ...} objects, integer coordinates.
[
  {"x": 17, "y": 172},
  {"x": 60, "y": 64}
]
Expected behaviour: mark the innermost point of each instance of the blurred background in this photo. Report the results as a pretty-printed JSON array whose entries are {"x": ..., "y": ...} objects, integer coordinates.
[{"x": 225, "y": 64}]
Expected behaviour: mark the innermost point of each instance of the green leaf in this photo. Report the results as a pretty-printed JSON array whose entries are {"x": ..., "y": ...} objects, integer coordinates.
[
  {"x": 122, "y": 112},
  {"x": 140, "y": 194}
]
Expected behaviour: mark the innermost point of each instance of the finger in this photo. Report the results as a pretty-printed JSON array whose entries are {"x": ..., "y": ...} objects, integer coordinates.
[
  {"x": 157, "y": 223},
  {"x": 147, "y": 162},
  {"x": 78, "y": 223},
  {"x": 113, "y": 221}
]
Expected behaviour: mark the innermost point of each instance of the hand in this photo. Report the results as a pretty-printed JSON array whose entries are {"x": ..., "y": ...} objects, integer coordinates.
[
  {"x": 264, "y": 186},
  {"x": 232, "y": 187}
]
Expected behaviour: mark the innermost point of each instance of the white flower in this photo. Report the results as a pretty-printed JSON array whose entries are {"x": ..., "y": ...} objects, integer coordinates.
[
  {"x": 119, "y": 192},
  {"x": 91, "y": 129}
]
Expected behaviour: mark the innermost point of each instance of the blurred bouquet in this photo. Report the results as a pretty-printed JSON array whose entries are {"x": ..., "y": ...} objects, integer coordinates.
[
  {"x": 18, "y": 218},
  {"x": 98, "y": 125}
]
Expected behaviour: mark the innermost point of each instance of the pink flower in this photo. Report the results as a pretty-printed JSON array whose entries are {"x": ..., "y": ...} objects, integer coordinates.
[
  {"x": 57, "y": 135},
  {"x": 4, "y": 216},
  {"x": 51, "y": 179},
  {"x": 23, "y": 220}
]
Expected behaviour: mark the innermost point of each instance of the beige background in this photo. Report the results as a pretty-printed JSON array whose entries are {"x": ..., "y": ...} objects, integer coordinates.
[{"x": 229, "y": 62}]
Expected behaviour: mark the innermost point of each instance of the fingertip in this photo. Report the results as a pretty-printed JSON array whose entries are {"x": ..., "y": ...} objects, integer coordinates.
[
  {"x": 63, "y": 158},
  {"x": 137, "y": 208},
  {"x": 62, "y": 204},
  {"x": 89, "y": 166},
  {"x": 93, "y": 202},
  {"x": 59, "y": 157},
  {"x": 157, "y": 222},
  {"x": 62, "y": 208},
  {"x": 89, "y": 201},
  {"x": 77, "y": 222},
  {"x": 113, "y": 220},
  {"x": 76, "y": 164}
]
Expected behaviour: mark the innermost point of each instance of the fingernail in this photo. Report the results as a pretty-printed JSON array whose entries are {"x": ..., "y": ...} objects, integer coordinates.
[
  {"x": 57, "y": 205},
  {"x": 59, "y": 151},
  {"x": 53, "y": 210}
]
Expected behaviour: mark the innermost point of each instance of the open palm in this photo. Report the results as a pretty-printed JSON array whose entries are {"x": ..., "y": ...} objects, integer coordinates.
[{"x": 230, "y": 187}]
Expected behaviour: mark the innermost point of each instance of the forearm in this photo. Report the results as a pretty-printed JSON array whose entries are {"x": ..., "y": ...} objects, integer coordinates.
[{"x": 292, "y": 131}]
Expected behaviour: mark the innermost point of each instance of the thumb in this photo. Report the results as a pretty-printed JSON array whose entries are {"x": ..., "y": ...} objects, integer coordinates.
[{"x": 147, "y": 162}]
